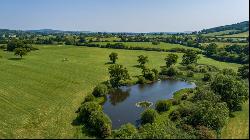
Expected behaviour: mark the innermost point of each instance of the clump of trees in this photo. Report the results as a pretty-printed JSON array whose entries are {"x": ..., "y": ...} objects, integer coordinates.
[
  {"x": 113, "y": 57},
  {"x": 142, "y": 60},
  {"x": 100, "y": 90},
  {"x": 171, "y": 59},
  {"x": 118, "y": 74},
  {"x": 190, "y": 57},
  {"x": 163, "y": 105},
  {"x": 148, "y": 116}
]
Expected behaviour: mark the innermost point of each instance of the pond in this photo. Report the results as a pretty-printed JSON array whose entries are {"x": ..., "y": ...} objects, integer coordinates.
[{"x": 121, "y": 107}]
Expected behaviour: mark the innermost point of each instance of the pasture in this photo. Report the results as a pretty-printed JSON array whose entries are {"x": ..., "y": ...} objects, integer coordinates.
[{"x": 40, "y": 93}]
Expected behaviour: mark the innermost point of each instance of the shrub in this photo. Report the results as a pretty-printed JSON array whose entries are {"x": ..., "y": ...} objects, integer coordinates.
[
  {"x": 3, "y": 47},
  {"x": 207, "y": 77},
  {"x": 205, "y": 133},
  {"x": 141, "y": 80},
  {"x": 100, "y": 90},
  {"x": 148, "y": 116},
  {"x": 190, "y": 74},
  {"x": 184, "y": 96},
  {"x": 89, "y": 98},
  {"x": 175, "y": 102},
  {"x": 171, "y": 71},
  {"x": 163, "y": 105},
  {"x": 125, "y": 131},
  {"x": 87, "y": 108},
  {"x": 101, "y": 123},
  {"x": 175, "y": 115},
  {"x": 148, "y": 74}
]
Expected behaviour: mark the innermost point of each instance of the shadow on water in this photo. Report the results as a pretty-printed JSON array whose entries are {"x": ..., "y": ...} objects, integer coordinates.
[
  {"x": 15, "y": 59},
  {"x": 118, "y": 96}
]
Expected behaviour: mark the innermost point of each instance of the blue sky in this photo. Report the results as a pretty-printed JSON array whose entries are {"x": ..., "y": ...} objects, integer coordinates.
[{"x": 121, "y": 15}]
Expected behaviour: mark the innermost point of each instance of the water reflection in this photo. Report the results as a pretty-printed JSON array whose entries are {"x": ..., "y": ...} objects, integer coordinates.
[
  {"x": 121, "y": 103},
  {"x": 118, "y": 96}
]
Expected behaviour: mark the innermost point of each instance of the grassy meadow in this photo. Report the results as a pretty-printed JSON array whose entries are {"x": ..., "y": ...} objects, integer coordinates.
[{"x": 40, "y": 93}]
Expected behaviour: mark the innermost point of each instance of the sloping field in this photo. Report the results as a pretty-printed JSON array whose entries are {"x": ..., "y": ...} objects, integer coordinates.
[
  {"x": 40, "y": 93},
  {"x": 244, "y": 34}
]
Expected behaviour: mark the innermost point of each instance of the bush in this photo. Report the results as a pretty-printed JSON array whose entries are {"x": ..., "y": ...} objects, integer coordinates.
[
  {"x": 125, "y": 132},
  {"x": 175, "y": 115},
  {"x": 175, "y": 102},
  {"x": 3, "y": 47},
  {"x": 205, "y": 133},
  {"x": 163, "y": 105},
  {"x": 100, "y": 90},
  {"x": 184, "y": 96},
  {"x": 207, "y": 77},
  {"x": 86, "y": 110},
  {"x": 171, "y": 71},
  {"x": 190, "y": 74},
  {"x": 89, "y": 98},
  {"x": 148, "y": 116},
  {"x": 141, "y": 80},
  {"x": 101, "y": 123}
]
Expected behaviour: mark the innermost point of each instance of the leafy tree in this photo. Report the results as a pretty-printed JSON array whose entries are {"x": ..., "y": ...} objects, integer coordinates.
[
  {"x": 142, "y": 60},
  {"x": 100, "y": 90},
  {"x": 117, "y": 73},
  {"x": 171, "y": 71},
  {"x": 89, "y": 98},
  {"x": 148, "y": 116},
  {"x": 171, "y": 59},
  {"x": 101, "y": 123},
  {"x": 207, "y": 77},
  {"x": 126, "y": 131},
  {"x": 231, "y": 90},
  {"x": 149, "y": 74},
  {"x": 190, "y": 57},
  {"x": 228, "y": 71},
  {"x": 211, "y": 49},
  {"x": 13, "y": 44},
  {"x": 243, "y": 71},
  {"x": 155, "y": 42},
  {"x": 20, "y": 51},
  {"x": 87, "y": 108},
  {"x": 113, "y": 57},
  {"x": 163, "y": 105}
]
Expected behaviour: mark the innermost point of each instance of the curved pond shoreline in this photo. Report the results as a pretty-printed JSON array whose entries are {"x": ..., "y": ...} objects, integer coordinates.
[{"x": 121, "y": 107}]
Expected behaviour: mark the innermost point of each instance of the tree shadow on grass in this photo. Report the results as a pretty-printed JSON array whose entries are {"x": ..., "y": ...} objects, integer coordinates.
[
  {"x": 108, "y": 63},
  {"x": 137, "y": 66},
  {"x": 15, "y": 59}
]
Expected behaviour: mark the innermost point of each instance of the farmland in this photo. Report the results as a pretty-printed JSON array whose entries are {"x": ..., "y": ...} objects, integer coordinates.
[{"x": 40, "y": 93}]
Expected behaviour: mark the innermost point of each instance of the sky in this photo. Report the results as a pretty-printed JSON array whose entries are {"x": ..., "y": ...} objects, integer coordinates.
[{"x": 121, "y": 15}]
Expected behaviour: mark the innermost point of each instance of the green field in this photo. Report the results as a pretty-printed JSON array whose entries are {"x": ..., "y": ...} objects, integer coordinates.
[
  {"x": 238, "y": 128},
  {"x": 219, "y": 33},
  {"x": 162, "y": 45},
  {"x": 40, "y": 93},
  {"x": 244, "y": 34},
  {"x": 223, "y": 44}
]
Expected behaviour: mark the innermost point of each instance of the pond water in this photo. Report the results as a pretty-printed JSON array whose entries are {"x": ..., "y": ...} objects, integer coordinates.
[{"x": 121, "y": 107}]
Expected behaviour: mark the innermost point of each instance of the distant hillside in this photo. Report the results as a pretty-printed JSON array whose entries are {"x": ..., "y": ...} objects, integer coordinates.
[{"x": 237, "y": 28}]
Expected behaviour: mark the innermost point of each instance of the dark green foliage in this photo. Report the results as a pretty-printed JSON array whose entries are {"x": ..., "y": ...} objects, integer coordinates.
[
  {"x": 184, "y": 96},
  {"x": 101, "y": 123},
  {"x": 155, "y": 42},
  {"x": 141, "y": 80},
  {"x": 142, "y": 60},
  {"x": 190, "y": 57},
  {"x": 207, "y": 77},
  {"x": 89, "y": 98},
  {"x": 117, "y": 73},
  {"x": 87, "y": 108},
  {"x": 148, "y": 116},
  {"x": 163, "y": 105},
  {"x": 171, "y": 71},
  {"x": 175, "y": 115},
  {"x": 205, "y": 133},
  {"x": 231, "y": 90},
  {"x": 175, "y": 102},
  {"x": 190, "y": 74},
  {"x": 230, "y": 72},
  {"x": 150, "y": 74},
  {"x": 20, "y": 51},
  {"x": 211, "y": 49},
  {"x": 100, "y": 90},
  {"x": 171, "y": 59},
  {"x": 3, "y": 47},
  {"x": 113, "y": 57},
  {"x": 126, "y": 131},
  {"x": 243, "y": 71}
]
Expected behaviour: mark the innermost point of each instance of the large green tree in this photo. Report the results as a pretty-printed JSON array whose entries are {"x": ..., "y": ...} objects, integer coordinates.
[
  {"x": 171, "y": 59},
  {"x": 113, "y": 57},
  {"x": 142, "y": 60},
  {"x": 190, "y": 57},
  {"x": 117, "y": 74}
]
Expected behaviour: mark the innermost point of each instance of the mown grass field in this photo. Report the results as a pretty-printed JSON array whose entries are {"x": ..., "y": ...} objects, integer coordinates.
[
  {"x": 223, "y": 44},
  {"x": 219, "y": 33},
  {"x": 40, "y": 93},
  {"x": 244, "y": 34},
  {"x": 162, "y": 45}
]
